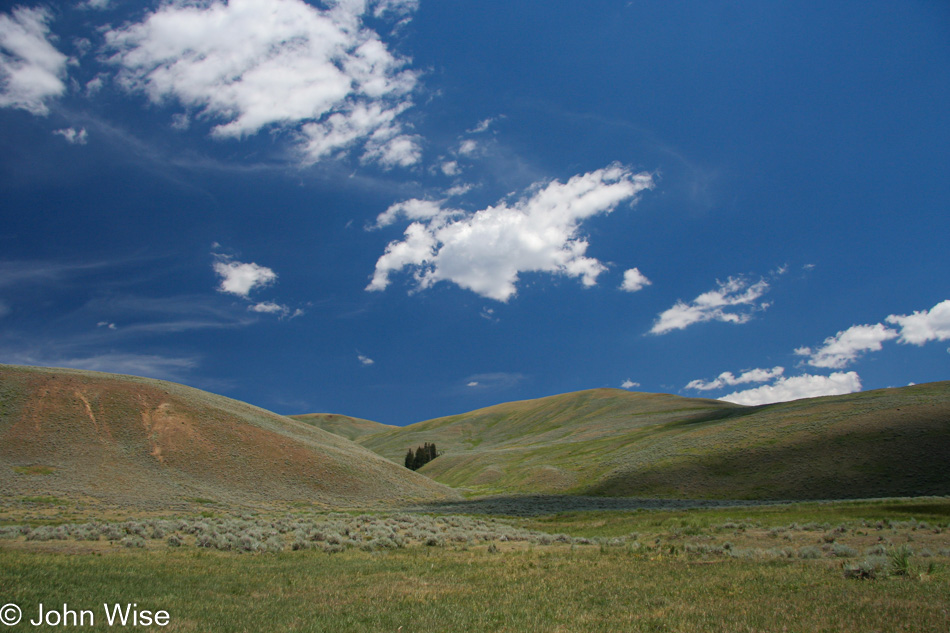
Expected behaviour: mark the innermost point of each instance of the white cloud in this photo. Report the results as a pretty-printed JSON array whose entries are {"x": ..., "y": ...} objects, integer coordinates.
[
  {"x": 401, "y": 151},
  {"x": 468, "y": 148},
  {"x": 629, "y": 384},
  {"x": 365, "y": 361},
  {"x": 486, "y": 251},
  {"x": 31, "y": 69},
  {"x": 73, "y": 136},
  {"x": 269, "y": 307},
  {"x": 482, "y": 126},
  {"x": 843, "y": 348},
  {"x": 796, "y": 387},
  {"x": 413, "y": 209},
  {"x": 727, "y": 378},
  {"x": 95, "y": 4},
  {"x": 733, "y": 301},
  {"x": 250, "y": 65},
  {"x": 923, "y": 326},
  {"x": 451, "y": 168},
  {"x": 473, "y": 383},
  {"x": 634, "y": 280},
  {"x": 459, "y": 190},
  {"x": 240, "y": 279},
  {"x": 107, "y": 324}
]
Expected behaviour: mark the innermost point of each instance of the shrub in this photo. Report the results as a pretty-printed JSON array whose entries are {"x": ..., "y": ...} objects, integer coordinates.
[
  {"x": 868, "y": 569},
  {"x": 809, "y": 552},
  {"x": 174, "y": 541},
  {"x": 899, "y": 559},
  {"x": 843, "y": 551},
  {"x": 133, "y": 541},
  {"x": 876, "y": 550}
]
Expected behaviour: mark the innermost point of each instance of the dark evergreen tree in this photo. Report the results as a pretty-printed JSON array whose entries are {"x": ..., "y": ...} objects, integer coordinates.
[{"x": 422, "y": 456}]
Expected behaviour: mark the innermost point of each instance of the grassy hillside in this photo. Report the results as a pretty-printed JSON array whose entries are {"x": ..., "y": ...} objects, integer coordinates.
[
  {"x": 344, "y": 425},
  {"x": 139, "y": 442},
  {"x": 888, "y": 442}
]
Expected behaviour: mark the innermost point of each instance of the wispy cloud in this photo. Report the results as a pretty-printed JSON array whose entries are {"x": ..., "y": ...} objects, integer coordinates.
[
  {"x": 73, "y": 136},
  {"x": 496, "y": 381},
  {"x": 486, "y": 251},
  {"x": 732, "y": 301},
  {"x": 174, "y": 368},
  {"x": 366, "y": 361},
  {"x": 32, "y": 71}
]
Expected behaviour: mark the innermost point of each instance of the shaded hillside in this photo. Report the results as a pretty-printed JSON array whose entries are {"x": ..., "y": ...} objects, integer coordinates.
[
  {"x": 135, "y": 441},
  {"x": 612, "y": 442},
  {"x": 344, "y": 425}
]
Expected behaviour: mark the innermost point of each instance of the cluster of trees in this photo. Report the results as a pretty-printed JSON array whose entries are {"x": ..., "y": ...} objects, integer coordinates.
[{"x": 423, "y": 455}]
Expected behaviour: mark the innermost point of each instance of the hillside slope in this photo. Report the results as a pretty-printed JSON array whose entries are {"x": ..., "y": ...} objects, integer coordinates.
[
  {"x": 135, "y": 441},
  {"x": 343, "y": 425},
  {"x": 886, "y": 442}
]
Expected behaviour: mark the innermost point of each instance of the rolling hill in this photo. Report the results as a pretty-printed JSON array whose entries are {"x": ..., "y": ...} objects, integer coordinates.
[
  {"x": 140, "y": 442},
  {"x": 887, "y": 442},
  {"x": 350, "y": 428}
]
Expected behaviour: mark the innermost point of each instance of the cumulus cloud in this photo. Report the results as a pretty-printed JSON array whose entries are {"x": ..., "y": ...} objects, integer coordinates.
[
  {"x": 796, "y": 387},
  {"x": 250, "y": 65},
  {"x": 486, "y": 251},
  {"x": 634, "y": 280},
  {"x": 365, "y": 360},
  {"x": 629, "y": 384},
  {"x": 240, "y": 279},
  {"x": 846, "y": 346},
  {"x": 73, "y": 136},
  {"x": 924, "y": 325},
  {"x": 32, "y": 71},
  {"x": 728, "y": 379},
  {"x": 733, "y": 301}
]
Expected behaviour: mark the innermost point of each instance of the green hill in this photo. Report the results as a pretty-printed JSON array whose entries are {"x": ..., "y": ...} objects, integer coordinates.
[
  {"x": 887, "y": 442},
  {"x": 148, "y": 443},
  {"x": 350, "y": 428}
]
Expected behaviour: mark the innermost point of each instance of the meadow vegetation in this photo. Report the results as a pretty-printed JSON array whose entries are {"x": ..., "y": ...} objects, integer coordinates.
[{"x": 861, "y": 566}]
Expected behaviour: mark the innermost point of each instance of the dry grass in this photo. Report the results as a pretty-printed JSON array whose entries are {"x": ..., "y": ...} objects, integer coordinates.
[{"x": 142, "y": 443}]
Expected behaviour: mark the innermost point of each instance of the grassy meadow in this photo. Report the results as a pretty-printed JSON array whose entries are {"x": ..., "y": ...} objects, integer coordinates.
[{"x": 794, "y": 567}]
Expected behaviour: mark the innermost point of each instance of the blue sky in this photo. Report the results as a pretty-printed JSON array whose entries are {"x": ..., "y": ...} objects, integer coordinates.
[{"x": 401, "y": 209}]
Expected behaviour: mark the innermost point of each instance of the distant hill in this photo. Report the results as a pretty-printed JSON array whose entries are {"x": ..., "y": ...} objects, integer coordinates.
[
  {"x": 141, "y": 442},
  {"x": 350, "y": 428},
  {"x": 887, "y": 442}
]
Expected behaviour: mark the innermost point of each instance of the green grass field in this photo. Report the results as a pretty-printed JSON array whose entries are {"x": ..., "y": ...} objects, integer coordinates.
[{"x": 774, "y": 568}]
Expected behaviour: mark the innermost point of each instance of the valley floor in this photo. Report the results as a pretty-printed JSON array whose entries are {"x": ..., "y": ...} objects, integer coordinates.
[{"x": 840, "y": 566}]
